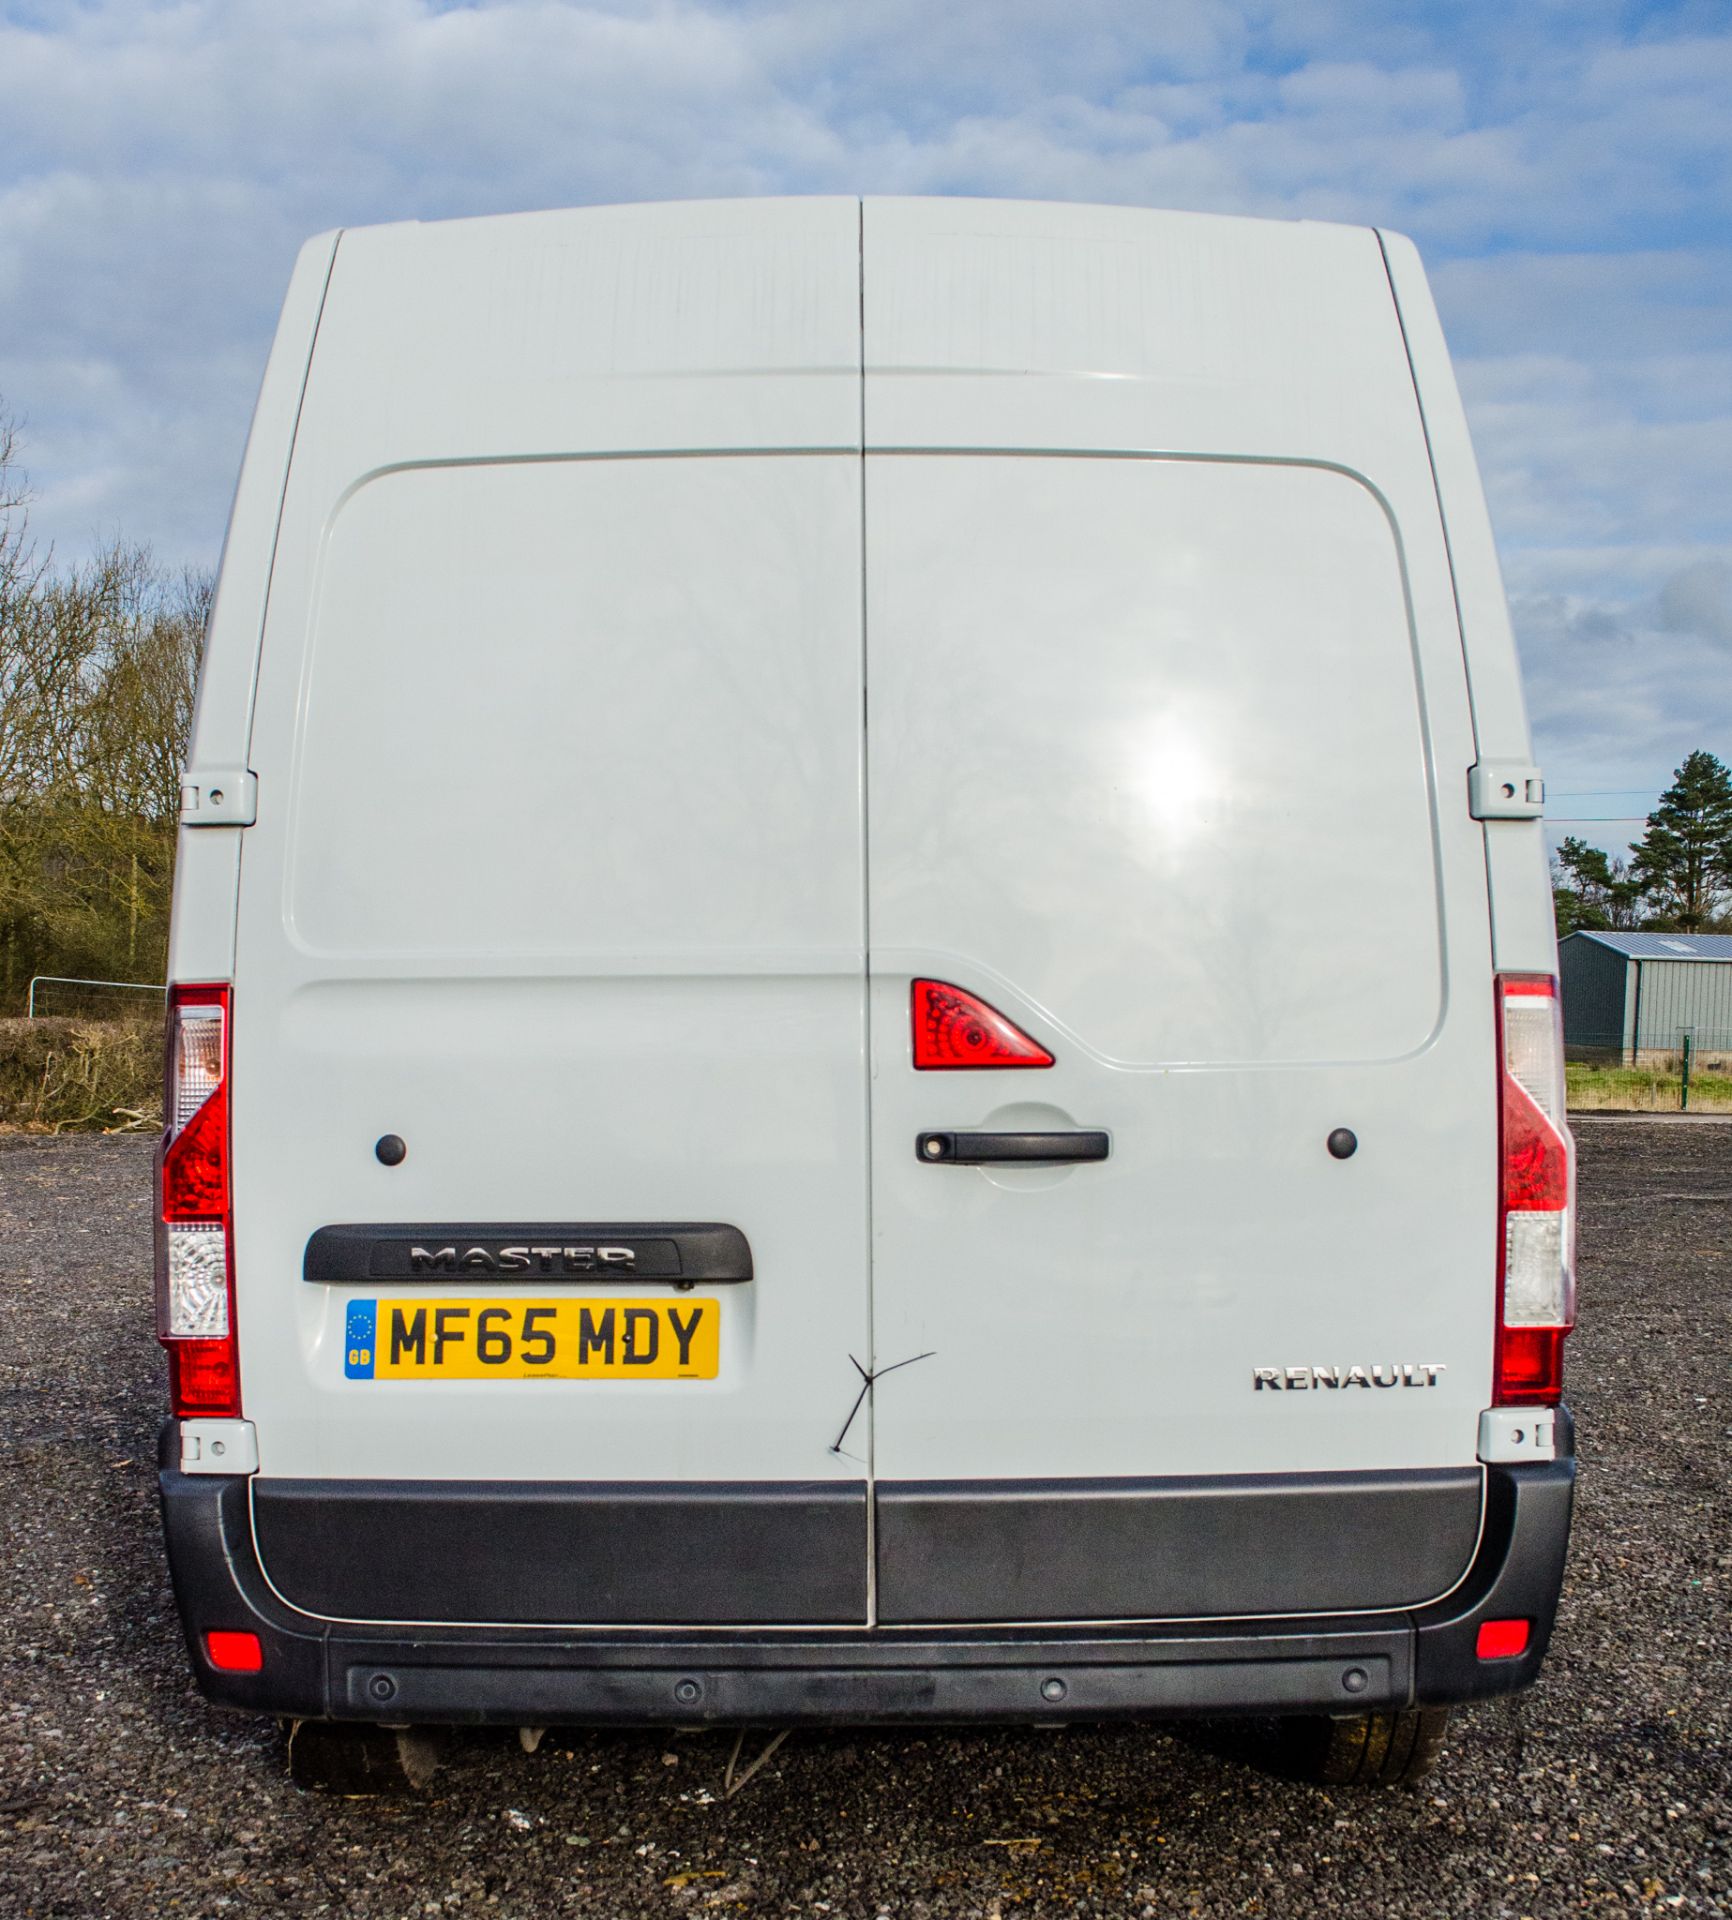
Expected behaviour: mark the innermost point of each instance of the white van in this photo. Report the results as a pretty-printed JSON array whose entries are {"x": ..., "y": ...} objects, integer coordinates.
[{"x": 864, "y": 1021}]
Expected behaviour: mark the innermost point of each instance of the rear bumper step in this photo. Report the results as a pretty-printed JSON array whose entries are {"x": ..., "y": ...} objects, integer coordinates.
[
  {"x": 808, "y": 1684},
  {"x": 892, "y": 1675}
]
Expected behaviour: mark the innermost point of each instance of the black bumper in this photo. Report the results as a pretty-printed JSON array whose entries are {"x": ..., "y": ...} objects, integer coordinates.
[{"x": 539, "y": 1676}]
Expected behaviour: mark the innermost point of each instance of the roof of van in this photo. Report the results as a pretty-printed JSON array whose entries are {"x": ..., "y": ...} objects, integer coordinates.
[
  {"x": 984, "y": 206},
  {"x": 1662, "y": 946}
]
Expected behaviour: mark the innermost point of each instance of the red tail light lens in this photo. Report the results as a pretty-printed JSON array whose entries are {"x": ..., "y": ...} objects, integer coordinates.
[
  {"x": 203, "y": 1382},
  {"x": 1536, "y": 1196},
  {"x": 957, "y": 1029},
  {"x": 194, "y": 1268}
]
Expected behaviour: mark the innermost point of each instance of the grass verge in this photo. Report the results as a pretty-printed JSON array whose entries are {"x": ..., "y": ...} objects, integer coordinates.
[{"x": 1645, "y": 1089}]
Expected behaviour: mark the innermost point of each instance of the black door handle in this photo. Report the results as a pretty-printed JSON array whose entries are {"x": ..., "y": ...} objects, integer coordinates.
[{"x": 986, "y": 1149}]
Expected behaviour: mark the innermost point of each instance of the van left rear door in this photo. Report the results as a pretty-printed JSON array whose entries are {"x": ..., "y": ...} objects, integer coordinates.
[{"x": 557, "y": 877}]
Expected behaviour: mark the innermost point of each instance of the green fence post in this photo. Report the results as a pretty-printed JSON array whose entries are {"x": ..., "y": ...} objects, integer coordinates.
[{"x": 1684, "y": 1088}]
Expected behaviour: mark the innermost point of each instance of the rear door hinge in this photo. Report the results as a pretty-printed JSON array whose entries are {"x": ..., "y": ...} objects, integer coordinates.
[
  {"x": 218, "y": 797},
  {"x": 1518, "y": 1433},
  {"x": 219, "y": 1446},
  {"x": 1505, "y": 790}
]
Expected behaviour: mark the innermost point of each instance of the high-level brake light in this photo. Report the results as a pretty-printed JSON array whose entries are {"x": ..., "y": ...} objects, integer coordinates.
[
  {"x": 195, "y": 1227},
  {"x": 953, "y": 1028},
  {"x": 1536, "y": 1195}
]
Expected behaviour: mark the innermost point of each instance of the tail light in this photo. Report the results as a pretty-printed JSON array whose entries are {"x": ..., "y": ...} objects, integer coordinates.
[
  {"x": 195, "y": 1309},
  {"x": 957, "y": 1029},
  {"x": 1536, "y": 1198}
]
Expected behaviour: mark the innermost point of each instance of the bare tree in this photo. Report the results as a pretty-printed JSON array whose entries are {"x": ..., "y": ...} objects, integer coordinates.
[
  {"x": 98, "y": 665},
  {"x": 24, "y": 642}
]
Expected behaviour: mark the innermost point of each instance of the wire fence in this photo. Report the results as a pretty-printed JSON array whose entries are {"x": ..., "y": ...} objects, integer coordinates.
[
  {"x": 51, "y": 994},
  {"x": 1687, "y": 1071}
]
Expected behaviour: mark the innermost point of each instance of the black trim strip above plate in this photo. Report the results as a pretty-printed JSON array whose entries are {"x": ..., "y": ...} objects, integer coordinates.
[{"x": 471, "y": 1254}]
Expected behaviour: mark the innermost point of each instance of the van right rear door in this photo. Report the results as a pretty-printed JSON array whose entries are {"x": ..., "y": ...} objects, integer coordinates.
[{"x": 1167, "y": 747}]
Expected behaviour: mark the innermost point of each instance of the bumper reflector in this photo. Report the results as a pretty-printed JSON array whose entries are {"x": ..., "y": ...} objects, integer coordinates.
[
  {"x": 1503, "y": 1639},
  {"x": 231, "y": 1652}
]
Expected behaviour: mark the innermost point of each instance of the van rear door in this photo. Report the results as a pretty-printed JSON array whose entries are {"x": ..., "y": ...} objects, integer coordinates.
[
  {"x": 1168, "y": 738},
  {"x": 557, "y": 877}
]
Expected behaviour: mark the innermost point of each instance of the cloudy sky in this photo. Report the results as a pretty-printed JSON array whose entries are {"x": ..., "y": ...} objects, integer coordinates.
[{"x": 1565, "y": 165}]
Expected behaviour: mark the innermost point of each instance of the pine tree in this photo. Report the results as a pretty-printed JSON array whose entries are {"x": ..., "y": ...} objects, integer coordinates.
[
  {"x": 1592, "y": 890},
  {"x": 1684, "y": 859}
]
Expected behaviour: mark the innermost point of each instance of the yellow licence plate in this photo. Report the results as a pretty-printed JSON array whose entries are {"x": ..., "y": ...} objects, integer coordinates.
[{"x": 439, "y": 1338}]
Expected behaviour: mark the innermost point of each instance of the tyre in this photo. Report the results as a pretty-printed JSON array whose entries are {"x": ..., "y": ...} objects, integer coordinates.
[
  {"x": 330, "y": 1756},
  {"x": 1364, "y": 1749}
]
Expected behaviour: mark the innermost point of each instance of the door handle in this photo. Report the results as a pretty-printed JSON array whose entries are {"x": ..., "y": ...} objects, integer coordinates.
[{"x": 989, "y": 1149}]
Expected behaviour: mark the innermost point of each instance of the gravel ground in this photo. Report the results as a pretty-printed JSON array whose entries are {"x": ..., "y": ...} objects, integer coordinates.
[{"x": 1608, "y": 1788}]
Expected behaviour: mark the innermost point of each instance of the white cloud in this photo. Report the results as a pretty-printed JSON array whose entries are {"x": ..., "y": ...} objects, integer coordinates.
[
  {"x": 1617, "y": 701},
  {"x": 1697, "y": 600},
  {"x": 1568, "y": 180}
]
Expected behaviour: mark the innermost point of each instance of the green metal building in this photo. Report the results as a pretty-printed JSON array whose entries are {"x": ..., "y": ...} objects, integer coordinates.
[{"x": 1633, "y": 996}]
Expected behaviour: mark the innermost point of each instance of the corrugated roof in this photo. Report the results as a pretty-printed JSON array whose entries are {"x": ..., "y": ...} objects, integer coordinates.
[{"x": 1663, "y": 946}]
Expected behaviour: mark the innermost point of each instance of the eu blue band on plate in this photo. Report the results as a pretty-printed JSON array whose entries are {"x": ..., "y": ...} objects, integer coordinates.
[{"x": 359, "y": 1339}]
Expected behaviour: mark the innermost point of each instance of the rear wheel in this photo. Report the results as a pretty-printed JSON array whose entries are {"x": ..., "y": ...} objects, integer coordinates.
[
  {"x": 1363, "y": 1749},
  {"x": 333, "y": 1756}
]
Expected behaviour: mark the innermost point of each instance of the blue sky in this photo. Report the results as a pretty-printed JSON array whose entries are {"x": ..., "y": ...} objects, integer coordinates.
[{"x": 1565, "y": 168}]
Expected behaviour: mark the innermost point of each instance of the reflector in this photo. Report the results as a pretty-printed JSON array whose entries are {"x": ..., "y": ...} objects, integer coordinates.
[
  {"x": 234, "y": 1652},
  {"x": 955, "y": 1028},
  {"x": 1502, "y": 1639}
]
